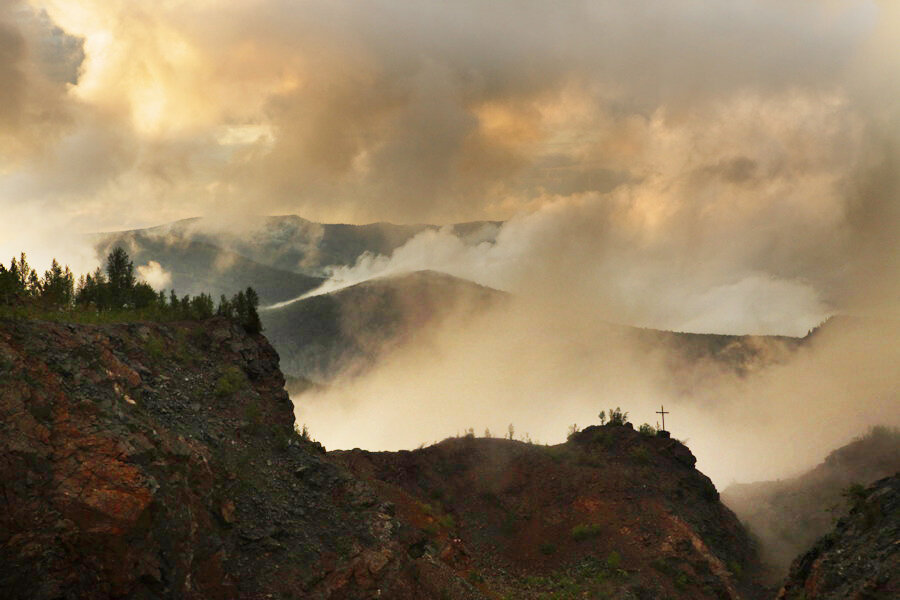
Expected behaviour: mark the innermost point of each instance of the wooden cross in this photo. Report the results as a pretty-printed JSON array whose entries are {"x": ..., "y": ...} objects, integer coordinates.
[{"x": 662, "y": 411}]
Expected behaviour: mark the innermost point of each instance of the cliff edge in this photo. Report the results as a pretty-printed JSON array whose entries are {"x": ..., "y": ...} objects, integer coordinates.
[{"x": 160, "y": 461}]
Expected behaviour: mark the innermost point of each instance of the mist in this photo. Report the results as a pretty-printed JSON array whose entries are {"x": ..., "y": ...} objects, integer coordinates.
[
  {"x": 727, "y": 167},
  {"x": 544, "y": 370}
]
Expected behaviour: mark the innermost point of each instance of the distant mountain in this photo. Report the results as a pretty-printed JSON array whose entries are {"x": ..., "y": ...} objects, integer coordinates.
[
  {"x": 198, "y": 267},
  {"x": 346, "y": 330},
  {"x": 283, "y": 257},
  {"x": 294, "y": 244},
  {"x": 789, "y": 515}
]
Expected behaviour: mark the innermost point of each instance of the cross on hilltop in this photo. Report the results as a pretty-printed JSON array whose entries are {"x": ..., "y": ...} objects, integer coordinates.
[{"x": 662, "y": 411}]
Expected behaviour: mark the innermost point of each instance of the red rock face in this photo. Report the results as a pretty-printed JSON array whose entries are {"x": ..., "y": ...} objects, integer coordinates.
[
  {"x": 160, "y": 461},
  {"x": 86, "y": 505}
]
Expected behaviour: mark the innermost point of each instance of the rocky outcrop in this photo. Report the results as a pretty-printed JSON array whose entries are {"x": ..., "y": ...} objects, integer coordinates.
[
  {"x": 789, "y": 515},
  {"x": 611, "y": 513},
  {"x": 860, "y": 558},
  {"x": 160, "y": 461}
]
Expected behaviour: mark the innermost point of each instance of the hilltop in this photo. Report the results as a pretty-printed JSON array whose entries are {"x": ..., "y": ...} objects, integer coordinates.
[
  {"x": 198, "y": 267},
  {"x": 610, "y": 513}
]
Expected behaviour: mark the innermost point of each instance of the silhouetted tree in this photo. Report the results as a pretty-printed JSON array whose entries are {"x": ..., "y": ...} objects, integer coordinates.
[
  {"x": 225, "y": 308},
  {"x": 142, "y": 296},
  {"x": 9, "y": 284},
  {"x": 202, "y": 306},
  {"x": 58, "y": 286},
  {"x": 251, "y": 320},
  {"x": 120, "y": 275}
]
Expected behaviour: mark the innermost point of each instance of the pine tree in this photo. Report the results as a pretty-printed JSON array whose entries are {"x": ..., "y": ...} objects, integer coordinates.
[
  {"x": 120, "y": 273},
  {"x": 251, "y": 321}
]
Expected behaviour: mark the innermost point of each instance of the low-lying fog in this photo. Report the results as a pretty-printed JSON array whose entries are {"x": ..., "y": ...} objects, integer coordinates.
[{"x": 543, "y": 371}]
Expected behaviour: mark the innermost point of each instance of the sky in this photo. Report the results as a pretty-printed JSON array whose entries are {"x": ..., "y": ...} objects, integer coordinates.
[
  {"x": 728, "y": 166},
  {"x": 733, "y": 157}
]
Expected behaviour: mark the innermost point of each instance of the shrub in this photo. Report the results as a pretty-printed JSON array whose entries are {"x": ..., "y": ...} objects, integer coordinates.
[
  {"x": 640, "y": 454},
  {"x": 547, "y": 549},
  {"x": 647, "y": 429},
  {"x": 617, "y": 417},
  {"x": 583, "y": 532},
  {"x": 303, "y": 432},
  {"x": 855, "y": 495},
  {"x": 155, "y": 347},
  {"x": 230, "y": 382}
]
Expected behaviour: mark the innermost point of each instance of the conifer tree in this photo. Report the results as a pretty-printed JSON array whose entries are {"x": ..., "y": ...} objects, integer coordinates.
[{"x": 120, "y": 274}]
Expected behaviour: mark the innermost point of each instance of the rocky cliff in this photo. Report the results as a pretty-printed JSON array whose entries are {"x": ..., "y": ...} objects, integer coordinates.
[
  {"x": 160, "y": 461},
  {"x": 860, "y": 558},
  {"x": 789, "y": 515}
]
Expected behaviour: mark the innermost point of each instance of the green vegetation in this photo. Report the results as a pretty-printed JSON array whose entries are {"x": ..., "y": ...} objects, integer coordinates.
[
  {"x": 155, "y": 347},
  {"x": 855, "y": 495},
  {"x": 303, "y": 432},
  {"x": 640, "y": 454},
  {"x": 231, "y": 381},
  {"x": 617, "y": 417},
  {"x": 602, "y": 439},
  {"x": 442, "y": 520},
  {"x": 584, "y": 532},
  {"x": 591, "y": 578},
  {"x": 547, "y": 549},
  {"x": 647, "y": 429},
  {"x": 110, "y": 295}
]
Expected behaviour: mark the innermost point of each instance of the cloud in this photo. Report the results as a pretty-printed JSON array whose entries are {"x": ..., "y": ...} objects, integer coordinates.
[
  {"x": 544, "y": 371},
  {"x": 154, "y": 274},
  {"x": 727, "y": 166}
]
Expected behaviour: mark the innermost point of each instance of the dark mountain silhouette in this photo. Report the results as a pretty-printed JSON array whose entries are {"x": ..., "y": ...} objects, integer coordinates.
[
  {"x": 294, "y": 244},
  {"x": 197, "y": 267},
  {"x": 344, "y": 332}
]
